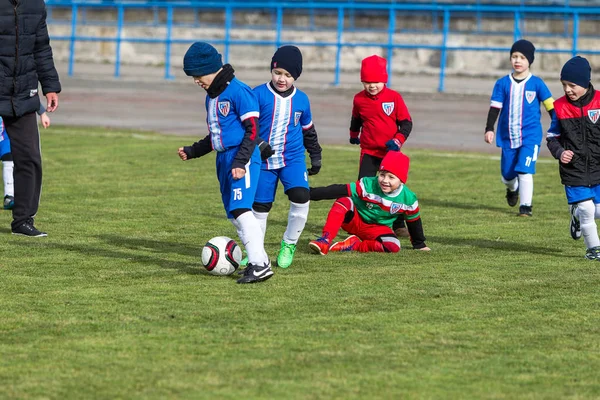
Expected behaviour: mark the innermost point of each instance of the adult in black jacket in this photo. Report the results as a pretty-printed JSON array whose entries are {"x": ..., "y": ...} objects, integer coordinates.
[{"x": 25, "y": 60}]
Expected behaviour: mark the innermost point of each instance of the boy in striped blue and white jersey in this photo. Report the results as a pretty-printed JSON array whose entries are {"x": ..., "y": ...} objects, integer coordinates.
[
  {"x": 516, "y": 98},
  {"x": 286, "y": 123}
]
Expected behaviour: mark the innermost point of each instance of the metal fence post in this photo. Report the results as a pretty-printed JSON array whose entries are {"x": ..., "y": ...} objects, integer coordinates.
[
  {"x": 120, "y": 14},
  {"x": 168, "y": 43},
  {"x": 575, "y": 33},
  {"x": 228, "y": 21},
  {"x": 72, "y": 38},
  {"x": 279, "y": 25},
  {"x": 338, "y": 53},
  {"x": 444, "y": 49},
  {"x": 390, "y": 46}
]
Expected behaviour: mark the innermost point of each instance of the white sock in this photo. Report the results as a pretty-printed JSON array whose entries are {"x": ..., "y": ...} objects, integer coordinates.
[
  {"x": 525, "y": 189},
  {"x": 238, "y": 228},
  {"x": 254, "y": 244},
  {"x": 511, "y": 185},
  {"x": 597, "y": 215},
  {"x": 7, "y": 175},
  {"x": 296, "y": 220},
  {"x": 589, "y": 230},
  {"x": 261, "y": 217}
]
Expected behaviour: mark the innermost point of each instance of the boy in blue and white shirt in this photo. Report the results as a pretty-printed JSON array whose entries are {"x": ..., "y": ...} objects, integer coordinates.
[
  {"x": 232, "y": 118},
  {"x": 517, "y": 97},
  {"x": 286, "y": 123}
]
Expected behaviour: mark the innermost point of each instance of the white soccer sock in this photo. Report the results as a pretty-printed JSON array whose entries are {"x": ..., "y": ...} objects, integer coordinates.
[
  {"x": 589, "y": 230},
  {"x": 238, "y": 228},
  {"x": 254, "y": 244},
  {"x": 7, "y": 175},
  {"x": 525, "y": 189},
  {"x": 261, "y": 217},
  {"x": 296, "y": 220},
  {"x": 597, "y": 216},
  {"x": 511, "y": 185}
]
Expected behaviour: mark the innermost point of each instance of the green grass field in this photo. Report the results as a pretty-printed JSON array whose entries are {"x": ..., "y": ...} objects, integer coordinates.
[{"x": 115, "y": 304}]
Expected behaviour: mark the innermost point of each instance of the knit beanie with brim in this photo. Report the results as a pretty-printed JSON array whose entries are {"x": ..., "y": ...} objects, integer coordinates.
[
  {"x": 201, "y": 59},
  {"x": 578, "y": 71}
]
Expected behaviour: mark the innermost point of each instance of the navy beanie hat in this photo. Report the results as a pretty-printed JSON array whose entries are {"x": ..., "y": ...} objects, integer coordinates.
[
  {"x": 201, "y": 59},
  {"x": 578, "y": 71},
  {"x": 288, "y": 58},
  {"x": 524, "y": 47}
]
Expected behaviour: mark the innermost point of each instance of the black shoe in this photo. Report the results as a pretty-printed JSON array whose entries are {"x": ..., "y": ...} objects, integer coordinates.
[
  {"x": 28, "y": 229},
  {"x": 593, "y": 253},
  {"x": 525, "y": 211},
  {"x": 575, "y": 226},
  {"x": 255, "y": 273},
  {"x": 512, "y": 197}
]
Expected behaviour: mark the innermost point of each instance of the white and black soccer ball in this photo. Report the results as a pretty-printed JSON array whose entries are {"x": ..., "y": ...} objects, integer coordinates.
[{"x": 221, "y": 256}]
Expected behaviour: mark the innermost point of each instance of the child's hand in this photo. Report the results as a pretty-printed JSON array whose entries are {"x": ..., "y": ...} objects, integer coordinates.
[
  {"x": 489, "y": 137},
  {"x": 45, "y": 119},
  {"x": 238, "y": 173},
  {"x": 566, "y": 156},
  {"x": 182, "y": 154}
]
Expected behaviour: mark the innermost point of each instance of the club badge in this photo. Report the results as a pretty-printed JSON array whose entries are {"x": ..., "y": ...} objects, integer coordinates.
[
  {"x": 388, "y": 108},
  {"x": 394, "y": 208},
  {"x": 224, "y": 108},
  {"x": 297, "y": 116},
  {"x": 593, "y": 115},
  {"x": 530, "y": 96}
]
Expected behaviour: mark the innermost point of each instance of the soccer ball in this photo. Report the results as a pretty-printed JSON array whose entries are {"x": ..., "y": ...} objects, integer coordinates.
[{"x": 221, "y": 256}]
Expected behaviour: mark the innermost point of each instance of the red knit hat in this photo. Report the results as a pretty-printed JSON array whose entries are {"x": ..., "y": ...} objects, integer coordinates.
[
  {"x": 397, "y": 163},
  {"x": 374, "y": 69}
]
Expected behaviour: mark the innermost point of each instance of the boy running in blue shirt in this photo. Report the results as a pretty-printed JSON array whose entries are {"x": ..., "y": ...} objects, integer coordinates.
[
  {"x": 286, "y": 123},
  {"x": 232, "y": 117},
  {"x": 517, "y": 97}
]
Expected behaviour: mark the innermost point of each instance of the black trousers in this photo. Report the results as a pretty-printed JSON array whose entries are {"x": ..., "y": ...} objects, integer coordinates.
[
  {"x": 27, "y": 157},
  {"x": 369, "y": 166}
]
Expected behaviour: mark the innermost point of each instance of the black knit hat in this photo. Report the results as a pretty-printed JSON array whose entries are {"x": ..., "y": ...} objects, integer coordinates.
[
  {"x": 578, "y": 71},
  {"x": 288, "y": 58},
  {"x": 524, "y": 47}
]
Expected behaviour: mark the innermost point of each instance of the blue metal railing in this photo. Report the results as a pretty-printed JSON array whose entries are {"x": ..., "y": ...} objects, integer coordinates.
[{"x": 343, "y": 9}]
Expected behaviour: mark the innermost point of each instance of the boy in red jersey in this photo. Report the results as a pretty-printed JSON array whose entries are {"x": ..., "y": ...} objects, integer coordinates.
[
  {"x": 380, "y": 122},
  {"x": 366, "y": 209}
]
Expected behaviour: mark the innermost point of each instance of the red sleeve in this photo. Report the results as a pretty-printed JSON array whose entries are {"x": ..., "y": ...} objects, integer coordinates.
[{"x": 401, "y": 109}]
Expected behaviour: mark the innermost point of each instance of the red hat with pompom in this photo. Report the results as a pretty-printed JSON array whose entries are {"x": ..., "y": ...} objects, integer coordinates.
[{"x": 397, "y": 163}]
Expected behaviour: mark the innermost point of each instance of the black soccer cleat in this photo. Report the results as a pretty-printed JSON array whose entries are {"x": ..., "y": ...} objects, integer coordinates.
[
  {"x": 27, "y": 229},
  {"x": 525, "y": 211},
  {"x": 512, "y": 198},
  {"x": 593, "y": 253},
  {"x": 575, "y": 225},
  {"x": 255, "y": 273}
]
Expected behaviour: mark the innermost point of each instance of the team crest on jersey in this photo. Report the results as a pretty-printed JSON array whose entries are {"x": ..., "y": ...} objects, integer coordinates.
[
  {"x": 388, "y": 108},
  {"x": 394, "y": 208},
  {"x": 297, "y": 116},
  {"x": 530, "y": 96},
  {"x": 593, "y": 115},
  {"x": 224, "y": 108}
]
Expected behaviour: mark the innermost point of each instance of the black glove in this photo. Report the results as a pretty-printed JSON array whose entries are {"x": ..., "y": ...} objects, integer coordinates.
[
  {"x": 265, "y": 149},
  {"x": 315, "y": 166},
  {"x": 354, "y": 140}
]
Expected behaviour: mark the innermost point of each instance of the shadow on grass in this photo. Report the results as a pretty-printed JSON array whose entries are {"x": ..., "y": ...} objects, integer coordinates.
[
  {"x": 428, "y": 202},
  {"x": 496, "y": 245}
]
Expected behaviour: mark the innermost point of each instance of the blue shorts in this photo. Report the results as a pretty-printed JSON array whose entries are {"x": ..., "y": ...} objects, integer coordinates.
[
  {"x": 237, "y": 193},
  {"x": 518, "y": 161},
  {"x": 4, "y": 141},
  {"x": 577, "y": 194},
  {"x": 292, "y": 175}
]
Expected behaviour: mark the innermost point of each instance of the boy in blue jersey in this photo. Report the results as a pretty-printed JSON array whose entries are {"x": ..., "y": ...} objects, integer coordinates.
[
  {"x": 286, "y": 123},
  {"x": 517, "y": 97},
  {"x": 7, "y": 160},
  {"x": 232, "y": 117}
]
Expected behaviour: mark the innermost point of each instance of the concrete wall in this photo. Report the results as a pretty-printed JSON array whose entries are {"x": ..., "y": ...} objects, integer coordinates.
[{"x": 298, "y": 29}]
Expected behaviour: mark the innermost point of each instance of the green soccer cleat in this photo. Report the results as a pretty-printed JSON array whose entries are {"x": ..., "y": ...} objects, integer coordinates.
[{"x": 286, "y": 254}]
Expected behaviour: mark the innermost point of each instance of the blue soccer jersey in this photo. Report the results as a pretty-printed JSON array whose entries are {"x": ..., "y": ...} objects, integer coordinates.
[
  {"x": 225, "y": 113},
  {"x": 519, "y": 104},
  {"x": 281, "y": 122},
  {"x": 4, "y": 141}
]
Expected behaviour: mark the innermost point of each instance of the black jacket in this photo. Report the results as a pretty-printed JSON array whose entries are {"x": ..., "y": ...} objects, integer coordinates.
[
  {"x": 25, "y": 57},
  {"x": 576, "y": 127}
]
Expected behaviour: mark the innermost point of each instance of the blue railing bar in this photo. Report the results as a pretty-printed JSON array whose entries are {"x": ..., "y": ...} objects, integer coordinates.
[
  {"x": 390, "y": 46},
  {"x": 575, "y": 33},
  {"x": 279, "y": 24},
  {"x": 227, "y": 41}
]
